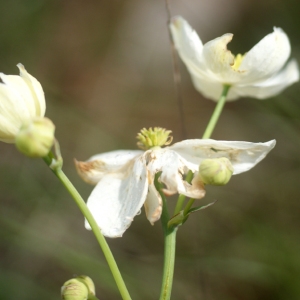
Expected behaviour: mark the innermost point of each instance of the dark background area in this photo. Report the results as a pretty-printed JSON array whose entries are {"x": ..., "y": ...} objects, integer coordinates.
[{"x": 106, "y": 70}]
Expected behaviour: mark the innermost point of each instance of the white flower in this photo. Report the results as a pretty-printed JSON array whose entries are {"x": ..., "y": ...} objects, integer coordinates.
[
  {"x": 260, "y": 73},
  {"x": 125, "y": 178},
  {"x": 21, "y": 100}
]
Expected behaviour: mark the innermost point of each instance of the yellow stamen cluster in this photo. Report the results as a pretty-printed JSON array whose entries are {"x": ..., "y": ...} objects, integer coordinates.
[
  {"x": 150, "y": 138},
  {"x": 237, "y": 62}
]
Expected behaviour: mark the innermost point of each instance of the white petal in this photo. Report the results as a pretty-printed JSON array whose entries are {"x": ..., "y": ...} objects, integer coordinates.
[
  {"x": 99, "y": 165},
  {"x": 211, "y": 88},
  {"x": 219, "y": 60},
  {"x": 153, "y": 204},
  {"x": 271, "y": 86},
  {"x": 173, "y": 167},
  {"x": 243, "y": 155},
  {"x": 36, "y": 91},
  {"x": 187, "y": 43},
  {"x": 20, "y": 89},
  {"x": 267, "y": 57},
  {"x": 195, "y": 190},
  {"x": 118, "y": 197},
  {"x": 14, "y": 113}
]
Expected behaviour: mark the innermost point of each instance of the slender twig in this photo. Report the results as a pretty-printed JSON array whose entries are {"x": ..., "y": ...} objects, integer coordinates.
[{"x": 176, "y": 75}]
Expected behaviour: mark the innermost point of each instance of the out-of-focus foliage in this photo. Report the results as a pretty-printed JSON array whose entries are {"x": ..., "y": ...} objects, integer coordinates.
[{"x": 106, "y": 70}]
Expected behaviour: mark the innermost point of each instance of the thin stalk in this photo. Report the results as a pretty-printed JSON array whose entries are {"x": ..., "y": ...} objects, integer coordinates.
[
  {"x": 216, "y": 114},
  {"x": 207, "y": 134},
  {"x": 95, "y": 228},
  {"x": 169, "y": 250}
]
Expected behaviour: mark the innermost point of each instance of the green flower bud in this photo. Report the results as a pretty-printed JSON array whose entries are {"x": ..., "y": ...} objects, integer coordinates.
[
  {"x": 216, "y": 171},
  {"x": 89, "y": 283},
  {"x": 74, "y": 289},
  {"x": 36, "y": 138}
]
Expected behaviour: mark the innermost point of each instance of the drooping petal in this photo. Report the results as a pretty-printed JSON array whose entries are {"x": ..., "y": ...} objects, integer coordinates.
[
  {"x": 195, "y": 190},
  {"x": 153, "y": 204},
  {"x": 271, "y": 86},
  {"x": 266, "y": 58},
  {"x": 173, "y": 167},
  {"x": 242, "y": 155},
  {"x": 92, "y": 170},
  {"x": 118, "y": 197},
  {"x": 187, "y": 43}
]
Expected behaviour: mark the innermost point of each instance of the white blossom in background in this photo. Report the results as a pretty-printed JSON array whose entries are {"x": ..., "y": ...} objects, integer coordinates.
[
  {"x": 21, "y": 100},
  {"x": 125, "y": 178},
  {"x": 260, "y": 73}
]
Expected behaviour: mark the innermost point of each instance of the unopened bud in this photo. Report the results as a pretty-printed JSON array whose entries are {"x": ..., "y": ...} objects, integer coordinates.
[
  {"x": 36, "y": 138},
  {"x": 79, "y": 288},
  {"x": 89, "y": 284},
  {"x": 74, "y": 289},
  {"x": 216, "y": 171}
]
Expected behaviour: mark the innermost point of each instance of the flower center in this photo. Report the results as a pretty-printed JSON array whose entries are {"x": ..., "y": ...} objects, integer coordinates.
[
  {"x": 237, "y": 61},
  {"x": 150, "y": 138}
]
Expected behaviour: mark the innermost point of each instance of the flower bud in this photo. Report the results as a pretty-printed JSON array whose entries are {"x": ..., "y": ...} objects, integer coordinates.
[
  {"x": 74, "y": 289},
  {"x": 36, "y": 138},
  {"x": 89, "y": 283},
  {"x": 216, "y": 171},
  {"x": 79, "y": 288}
]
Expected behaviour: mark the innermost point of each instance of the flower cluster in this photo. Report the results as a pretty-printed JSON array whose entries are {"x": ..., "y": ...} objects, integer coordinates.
[{"x": 125, "y": 178}]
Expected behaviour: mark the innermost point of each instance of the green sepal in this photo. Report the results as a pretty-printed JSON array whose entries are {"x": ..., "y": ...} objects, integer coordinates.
[{"x": 197, "y": 208}]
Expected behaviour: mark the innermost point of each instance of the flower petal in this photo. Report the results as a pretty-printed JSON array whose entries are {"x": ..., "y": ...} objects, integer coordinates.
[
  {"x": 153, "y": 204},
  {"x": 271, "y": 86},
  {"x": 266, "y": 57},
  {"x": 36, "y": 91},
  {"x": 29, "y": 89},
  {"x": 92, "y": 170},
  {"x": 219, "y": 60},
  {"x": 118, "y": 197},
  {"x": 173, "y": 167},
  {"x": 187, "y": 43},
  {"x": 19, "y": 88},
  {"x": 242, "y": 155},
  {"x": 14, "y": 113},
  {"x": 211, "y": 88}
]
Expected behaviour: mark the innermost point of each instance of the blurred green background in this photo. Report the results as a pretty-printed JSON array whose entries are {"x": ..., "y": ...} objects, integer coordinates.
[{"x": 106, "y": 70}]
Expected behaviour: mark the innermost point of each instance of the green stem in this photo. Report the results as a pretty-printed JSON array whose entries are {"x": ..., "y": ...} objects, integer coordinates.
[
  {"x": 170, "y": 247},
  {"x": 207, "y": 134},
  {"x": 216, "y": 114},
  {"x": 95, "y": 228},
  {"x": 188, "y": 206},
  {"x": 170, "y": 233}
]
